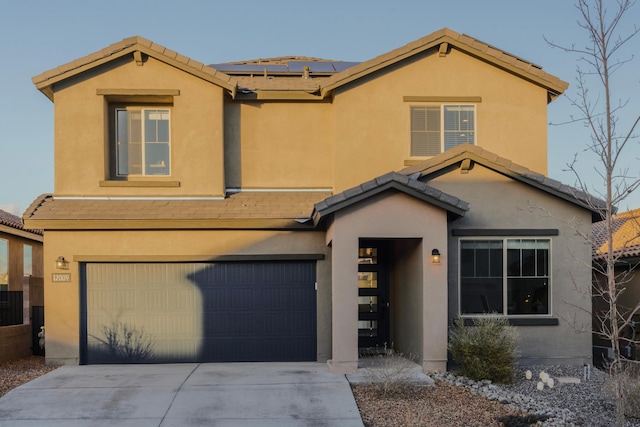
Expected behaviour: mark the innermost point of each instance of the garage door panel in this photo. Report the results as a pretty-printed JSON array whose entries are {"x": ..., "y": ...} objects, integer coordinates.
[{"x": 262, "y": 311}]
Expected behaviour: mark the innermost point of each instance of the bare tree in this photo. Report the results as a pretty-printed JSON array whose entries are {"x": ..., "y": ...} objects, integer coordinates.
[{"x": 599, "y": 60}]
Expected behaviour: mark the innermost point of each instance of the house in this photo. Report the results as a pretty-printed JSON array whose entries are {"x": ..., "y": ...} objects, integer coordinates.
[
  {"x": 298, "y": 208},
  {"x": 21, "y": 287},
  {"x": 626, "y": 253}
]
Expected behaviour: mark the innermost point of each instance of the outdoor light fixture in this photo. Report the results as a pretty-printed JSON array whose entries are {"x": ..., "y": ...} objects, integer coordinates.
[
  {"x": 61, "y": 263},
  {"x": 435, "y": 256}
]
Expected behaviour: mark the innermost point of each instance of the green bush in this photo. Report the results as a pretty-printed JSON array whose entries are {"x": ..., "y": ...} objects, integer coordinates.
[{"x": 485, "y": 350}]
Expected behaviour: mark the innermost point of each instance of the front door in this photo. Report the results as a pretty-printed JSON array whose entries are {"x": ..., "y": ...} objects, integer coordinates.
[{"x": 373, "y": 294}]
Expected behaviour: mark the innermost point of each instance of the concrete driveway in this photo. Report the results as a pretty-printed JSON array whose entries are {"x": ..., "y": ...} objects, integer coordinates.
[{"x": 211, "y": 394}]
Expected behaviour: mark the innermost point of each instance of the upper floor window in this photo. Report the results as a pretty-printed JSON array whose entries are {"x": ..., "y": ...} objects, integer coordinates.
[
  {"x": 143, "y": 141},
  {"x": 437, "y": 128},
  {"x": 505, "y": 276}
]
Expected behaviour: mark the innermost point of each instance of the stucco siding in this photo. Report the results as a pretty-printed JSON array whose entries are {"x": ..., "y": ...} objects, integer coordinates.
[
  {"x": 82, "y": 123},
  {"x": 63, "y": 302},
  {"x": 373, "y": 119},
  {"x": 501, "y": 203},
  {"x": 279, "y": 145}
]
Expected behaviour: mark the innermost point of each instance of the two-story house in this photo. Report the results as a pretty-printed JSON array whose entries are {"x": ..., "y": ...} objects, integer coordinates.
[{"x": 297, "y": 208}]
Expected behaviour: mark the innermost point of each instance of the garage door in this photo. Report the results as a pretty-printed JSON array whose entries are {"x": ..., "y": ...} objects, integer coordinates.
[{"x": 198, "y": 312}]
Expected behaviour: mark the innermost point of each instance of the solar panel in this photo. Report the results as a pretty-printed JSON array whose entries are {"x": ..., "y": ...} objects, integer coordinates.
[
  {"x": 343, "y": 65},
  {"x": 314, "y": 66}
]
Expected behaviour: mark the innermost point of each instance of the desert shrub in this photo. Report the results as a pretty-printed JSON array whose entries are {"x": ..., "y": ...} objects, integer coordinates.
[
  {"x": 389, "y": 371},
  {"x": 485, "y": 350},
  {"x": 625, "y": 384}
]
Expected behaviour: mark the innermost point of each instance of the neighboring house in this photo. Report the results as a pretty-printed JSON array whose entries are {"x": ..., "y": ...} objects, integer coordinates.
[
  {"x": 626, "y": 252},
  {"x": 21, "y": 281},
  {"x": 297, "y": 208}
]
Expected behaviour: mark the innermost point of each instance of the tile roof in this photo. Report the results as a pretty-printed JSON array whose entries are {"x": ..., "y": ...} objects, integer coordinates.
[
  {"x": 508, "y": 168},
  {"x": 392, "y": 180},
  {"x": 626, "y": 236},
  {"x": 477, "y": 48},
  {"x": 294, "y": 206},
  {"x": 286, "y": 73},
  {"x": 45, "y": 81},
  {"x": 13, "y": 221}
]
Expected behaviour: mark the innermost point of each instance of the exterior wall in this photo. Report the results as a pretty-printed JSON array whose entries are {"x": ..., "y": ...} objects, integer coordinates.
[
  {"x": 407, "y": 328},
  {"x": 82, "y": 131},
  {"x": 62, "y": 299},
  {"x": 15, "y": 341},
  {"x": 372, "y": 130},
  {"x": 520, "y": 207},
  {"x": 278, "y": 145},
  {"x": 390, "y": 216}
]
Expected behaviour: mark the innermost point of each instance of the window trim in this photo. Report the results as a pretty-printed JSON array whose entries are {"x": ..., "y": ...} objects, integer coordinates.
[
  {"x": 441, "y": 103},
  {"x": 505, "y": 278},
  {"x": 114, "y": 107}
]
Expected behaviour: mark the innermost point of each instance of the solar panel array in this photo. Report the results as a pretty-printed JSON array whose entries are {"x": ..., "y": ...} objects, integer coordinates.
[{"x": 291, "y": 67}]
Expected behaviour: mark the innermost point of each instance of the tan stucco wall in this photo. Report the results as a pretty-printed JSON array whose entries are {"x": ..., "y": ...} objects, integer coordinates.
[
  {"x": 279, "y": 144},
  {"x": 390, "y": 216},
  {"x": 372, "y": 130},
  {"x": 62, "y": 300},
  {"x": 362, "y": 133},
  {"x": 498, "y": 202},
  {"x": 82, "y": 139}
]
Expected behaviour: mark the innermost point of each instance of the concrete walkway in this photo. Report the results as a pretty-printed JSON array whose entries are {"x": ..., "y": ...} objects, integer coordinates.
[{"x": 211, "y": 394}]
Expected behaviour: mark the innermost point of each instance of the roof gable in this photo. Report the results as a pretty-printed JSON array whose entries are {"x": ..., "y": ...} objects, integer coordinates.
[
  {"x": 463, "y": 156},
  {"x": 134, "y": 46},
  {"x": 390, "y": 181},
  {"x": 444, "y": 40}
]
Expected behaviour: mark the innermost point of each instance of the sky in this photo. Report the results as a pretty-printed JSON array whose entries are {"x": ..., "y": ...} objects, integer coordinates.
[{"x": 36, "y": 36}]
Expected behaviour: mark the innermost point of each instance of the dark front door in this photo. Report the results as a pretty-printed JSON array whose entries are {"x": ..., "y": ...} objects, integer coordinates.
[{"x": 373, "y": 294}]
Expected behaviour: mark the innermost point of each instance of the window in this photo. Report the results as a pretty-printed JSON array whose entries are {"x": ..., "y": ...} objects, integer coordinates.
[
  {"x": 435, "y": 129},
  {"x": 143, "y": 137},
  {"x": 505, "y": 276}
]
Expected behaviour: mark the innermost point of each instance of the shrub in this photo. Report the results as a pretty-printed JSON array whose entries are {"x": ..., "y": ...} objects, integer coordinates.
[
  {"x": 625, "y": 384},
  {"x": 486, "y": 350},
  {"x": 389, "y": 372}
]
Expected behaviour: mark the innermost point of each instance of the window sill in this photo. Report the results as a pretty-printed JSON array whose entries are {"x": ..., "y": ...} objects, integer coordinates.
[
  {"x": 523, "y": 321},
  {"x": 147, "y": 184}
]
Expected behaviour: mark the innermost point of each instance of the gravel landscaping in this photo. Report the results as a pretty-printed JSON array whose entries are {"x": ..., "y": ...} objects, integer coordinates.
[
  {"x": 457, "y": 401},
  {"x": 14, "y": 373}
]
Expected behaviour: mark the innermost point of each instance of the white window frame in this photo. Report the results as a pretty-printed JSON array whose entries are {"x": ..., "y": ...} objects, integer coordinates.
[
  {"x": 443, "y": 131},
  {"x": 505, "y": 277},
  {"x": 143, "y": 143}
]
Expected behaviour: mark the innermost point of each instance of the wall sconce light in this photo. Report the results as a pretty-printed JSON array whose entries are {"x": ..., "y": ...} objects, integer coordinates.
[
  {"x": 61, "y": 263},
  {"x": 435, "y": 256}
]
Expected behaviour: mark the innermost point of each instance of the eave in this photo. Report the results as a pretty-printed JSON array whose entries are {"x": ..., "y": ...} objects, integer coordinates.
[{"x": 171, "y": 224}]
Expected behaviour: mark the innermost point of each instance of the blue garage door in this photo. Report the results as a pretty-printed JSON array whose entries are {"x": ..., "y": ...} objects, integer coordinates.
[{"x": 198, "y": 312}]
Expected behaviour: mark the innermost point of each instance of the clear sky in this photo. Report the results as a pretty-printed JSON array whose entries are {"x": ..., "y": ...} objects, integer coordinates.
[{"x": 37, "y": 36}]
